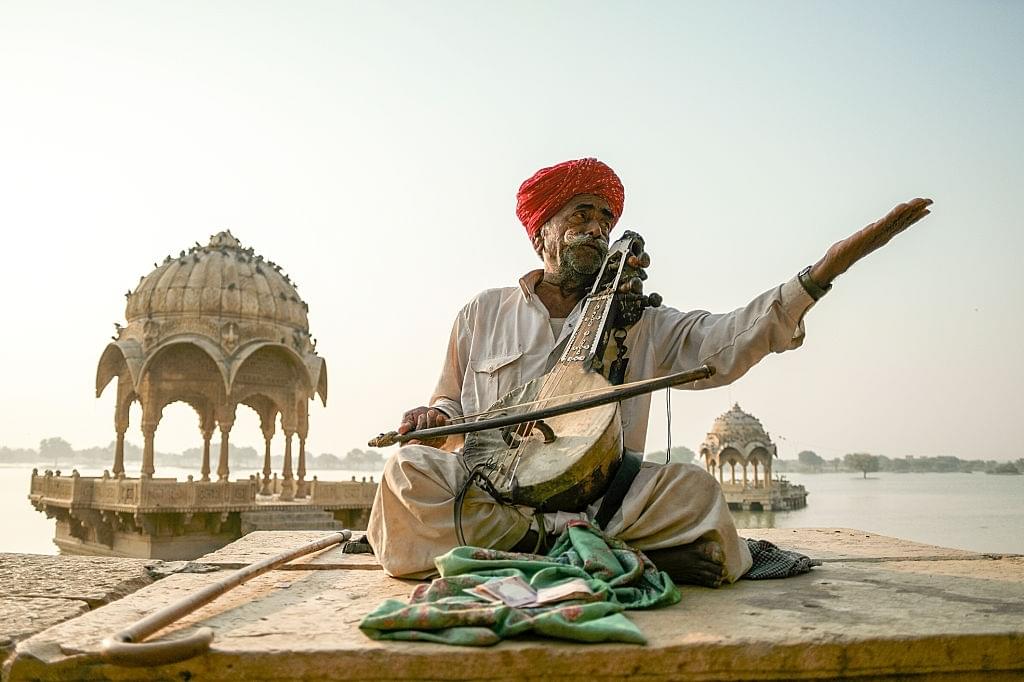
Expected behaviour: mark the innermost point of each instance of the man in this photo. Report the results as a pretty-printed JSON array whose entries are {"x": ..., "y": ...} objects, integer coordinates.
[{"x": 675, "y": 513}]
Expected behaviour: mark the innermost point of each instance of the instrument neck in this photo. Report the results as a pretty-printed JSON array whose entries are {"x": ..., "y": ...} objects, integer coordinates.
[{"x": 590, "y": 335}]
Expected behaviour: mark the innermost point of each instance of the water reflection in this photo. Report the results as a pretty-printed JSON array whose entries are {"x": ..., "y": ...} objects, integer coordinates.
[{"x": 754, "y": 519}]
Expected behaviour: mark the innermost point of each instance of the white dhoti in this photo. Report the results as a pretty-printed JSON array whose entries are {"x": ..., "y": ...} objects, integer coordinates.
[{"x": 412, "y": 520}]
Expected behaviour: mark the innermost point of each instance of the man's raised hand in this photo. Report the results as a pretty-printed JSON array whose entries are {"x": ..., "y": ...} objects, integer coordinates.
[
  {"x": 845, "y": 253},
  {"x": 420, "y": 418}
]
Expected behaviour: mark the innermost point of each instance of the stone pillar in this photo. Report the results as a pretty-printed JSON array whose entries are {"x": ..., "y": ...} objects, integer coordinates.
[
  {"x": 205, "y": 470},
  {"x": 121, "y": 410},
  {"x": 754, "y": 462},
  {"x": 222, "y": 463},
  {"x": 768, "y": 475},
  {"x": 225, "y": 415},
  {"x": 119, "y": 455},
  {"x": 267, "y": 426},
  {"x": 300, "y": 486},
  {"x": 287, "y": 480},
  {"x": 265, "y": 483},
  {"x": 744, "y": 474},
  {"x": 148, "y": 434},
  {"x": 732, "y": 472},
  {"x": 721, "y": 476}
]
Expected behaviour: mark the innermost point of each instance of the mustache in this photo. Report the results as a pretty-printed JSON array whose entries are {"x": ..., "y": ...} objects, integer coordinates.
[{"x": 588, "y": 240}]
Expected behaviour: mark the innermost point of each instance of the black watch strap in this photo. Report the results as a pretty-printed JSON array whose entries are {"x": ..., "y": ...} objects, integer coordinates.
[{"x": 815, "y": 290}]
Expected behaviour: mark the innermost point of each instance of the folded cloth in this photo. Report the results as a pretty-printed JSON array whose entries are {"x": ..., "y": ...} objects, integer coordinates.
[
  {"x": 620, "y": 577},
  {"x": 772, "y": 562}
]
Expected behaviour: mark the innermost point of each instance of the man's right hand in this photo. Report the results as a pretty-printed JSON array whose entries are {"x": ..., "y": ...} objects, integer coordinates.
[{"x": 423, "y": 418}]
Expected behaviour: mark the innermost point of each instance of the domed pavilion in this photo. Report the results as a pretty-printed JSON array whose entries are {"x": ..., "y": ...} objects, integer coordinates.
[
  {"x": 737, "y": 438},
  {"x": 216, "y": 327}
]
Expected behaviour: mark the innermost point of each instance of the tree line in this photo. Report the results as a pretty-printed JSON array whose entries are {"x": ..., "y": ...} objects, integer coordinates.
[
  {"x": 809, "y": 461},
  {"x": 57, "y": 452}
]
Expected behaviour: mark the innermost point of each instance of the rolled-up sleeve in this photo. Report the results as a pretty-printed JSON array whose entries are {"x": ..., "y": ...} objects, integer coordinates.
[{"x": 733, "y": 342}]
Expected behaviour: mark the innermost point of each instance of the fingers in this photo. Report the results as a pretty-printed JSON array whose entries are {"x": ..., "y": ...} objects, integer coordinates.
[
  {"x": 422, "y": 418},
  {"x": 898, "y": 219},
  {"x": 913, "y": 212},
  {"x": 410, "y": 420}
]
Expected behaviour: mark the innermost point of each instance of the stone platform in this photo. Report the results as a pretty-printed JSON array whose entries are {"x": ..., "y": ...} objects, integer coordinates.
[
  {"x": 879, "y": 608},
  {"x": 167, "y": 519},
  {"x": 39, "y": 591}
]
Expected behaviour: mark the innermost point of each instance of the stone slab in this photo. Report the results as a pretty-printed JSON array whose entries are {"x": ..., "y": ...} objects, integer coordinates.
[
  {"x": 22, "y": 617},
  {"x": 94, "y": 580},
  {"x": 850, "y": 544},
  {"x": 39, "y": 591},
  {"x": 855, "y": 618}
]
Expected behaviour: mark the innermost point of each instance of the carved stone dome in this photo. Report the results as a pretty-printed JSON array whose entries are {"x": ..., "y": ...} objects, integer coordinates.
[
  {"x": 738, "y": 426},
  {"x": 737, "y": 431},
  {"x": 225, "y": 300},
  {"x": 222, "y": 279}
]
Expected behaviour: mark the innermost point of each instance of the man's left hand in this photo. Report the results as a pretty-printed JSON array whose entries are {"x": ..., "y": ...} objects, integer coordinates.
[{"x": 845, "y": 253}]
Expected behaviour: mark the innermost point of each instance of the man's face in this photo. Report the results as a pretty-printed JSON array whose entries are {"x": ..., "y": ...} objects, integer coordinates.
[{"x": 574, "y": 241}]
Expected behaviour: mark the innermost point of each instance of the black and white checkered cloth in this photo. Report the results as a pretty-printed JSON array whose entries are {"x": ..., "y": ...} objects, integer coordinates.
[{"x": 772, "y": 562}]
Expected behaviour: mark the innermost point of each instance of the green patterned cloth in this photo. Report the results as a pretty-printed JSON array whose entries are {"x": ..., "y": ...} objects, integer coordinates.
[{"x": 621, "y": 578}]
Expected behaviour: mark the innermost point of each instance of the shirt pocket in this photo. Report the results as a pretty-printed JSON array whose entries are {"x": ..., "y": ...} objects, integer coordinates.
[{"x": 494, "y": 376}]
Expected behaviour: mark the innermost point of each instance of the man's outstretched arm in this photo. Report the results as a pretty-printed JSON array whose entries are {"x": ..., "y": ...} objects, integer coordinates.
[
  {"x": 734, "y": 342},
  {"x": 843, "y": 254}
]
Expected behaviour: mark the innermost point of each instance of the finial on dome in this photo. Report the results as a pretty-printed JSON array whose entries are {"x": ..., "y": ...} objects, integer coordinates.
[{"x": 224, "y": 239}]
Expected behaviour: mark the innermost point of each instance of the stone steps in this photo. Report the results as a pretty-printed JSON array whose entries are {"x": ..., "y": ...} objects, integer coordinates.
[{"x": 291, "y": 519}]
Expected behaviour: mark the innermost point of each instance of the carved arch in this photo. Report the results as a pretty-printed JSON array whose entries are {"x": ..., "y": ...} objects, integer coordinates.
[
  {"x": 116, "y": 358},
  {"x": 318, "y": 370},
  {"x": 211, "y": 349},
  {"x": 246, "y": 354}
]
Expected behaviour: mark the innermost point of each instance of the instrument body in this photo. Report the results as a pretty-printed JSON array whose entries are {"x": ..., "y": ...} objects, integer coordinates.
[{"x": 566, "y": 462}]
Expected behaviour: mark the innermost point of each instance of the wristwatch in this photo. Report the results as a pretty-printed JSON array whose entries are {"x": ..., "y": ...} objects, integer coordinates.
[{"x": 815, "y": 290}]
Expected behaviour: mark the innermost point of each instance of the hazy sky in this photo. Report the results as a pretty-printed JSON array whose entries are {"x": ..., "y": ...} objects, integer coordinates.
[{"x": 374, "y": 149}]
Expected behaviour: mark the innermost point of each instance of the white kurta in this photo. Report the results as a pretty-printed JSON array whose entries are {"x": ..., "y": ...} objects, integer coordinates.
[{"x": 502, "y": 339}]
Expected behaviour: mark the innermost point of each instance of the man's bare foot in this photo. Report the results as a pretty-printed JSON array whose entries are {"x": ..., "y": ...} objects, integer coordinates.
[{"x": 698, "y": 563}]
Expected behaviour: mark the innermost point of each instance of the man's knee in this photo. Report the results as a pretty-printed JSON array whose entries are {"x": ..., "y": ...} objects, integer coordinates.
[{"x": 407, "y": 461}]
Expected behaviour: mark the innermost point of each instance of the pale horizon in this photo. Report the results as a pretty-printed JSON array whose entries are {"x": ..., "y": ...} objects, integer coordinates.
[{"x": 374, "y": 150}]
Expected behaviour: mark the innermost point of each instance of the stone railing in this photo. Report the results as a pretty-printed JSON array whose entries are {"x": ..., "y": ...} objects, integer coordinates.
[
  {"x": 146, "y": 494},
  {"x": 342, "y": 494}
]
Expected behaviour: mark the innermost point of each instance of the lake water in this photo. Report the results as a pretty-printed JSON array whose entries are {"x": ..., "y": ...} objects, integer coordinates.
[{"x": 976, "y": 512}]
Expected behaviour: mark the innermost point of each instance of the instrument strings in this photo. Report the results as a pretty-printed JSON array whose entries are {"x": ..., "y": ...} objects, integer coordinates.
[
  {"x": 513, "y": 454},
  {"x": 550, "y": 390},
  {"x": 507, "y": 464}
]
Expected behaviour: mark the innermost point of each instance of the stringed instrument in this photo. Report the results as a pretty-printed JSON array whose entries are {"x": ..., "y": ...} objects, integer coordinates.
[{"x": 566, "y": 461}]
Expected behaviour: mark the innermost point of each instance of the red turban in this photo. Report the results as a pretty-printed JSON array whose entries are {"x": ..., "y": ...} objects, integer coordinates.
[{"x": 549, "y": 189}]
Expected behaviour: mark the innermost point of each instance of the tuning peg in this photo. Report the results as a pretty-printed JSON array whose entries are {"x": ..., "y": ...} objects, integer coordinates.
[
  {"x": 639, "y": 262},
  {"x": 634, "y": 285}
]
